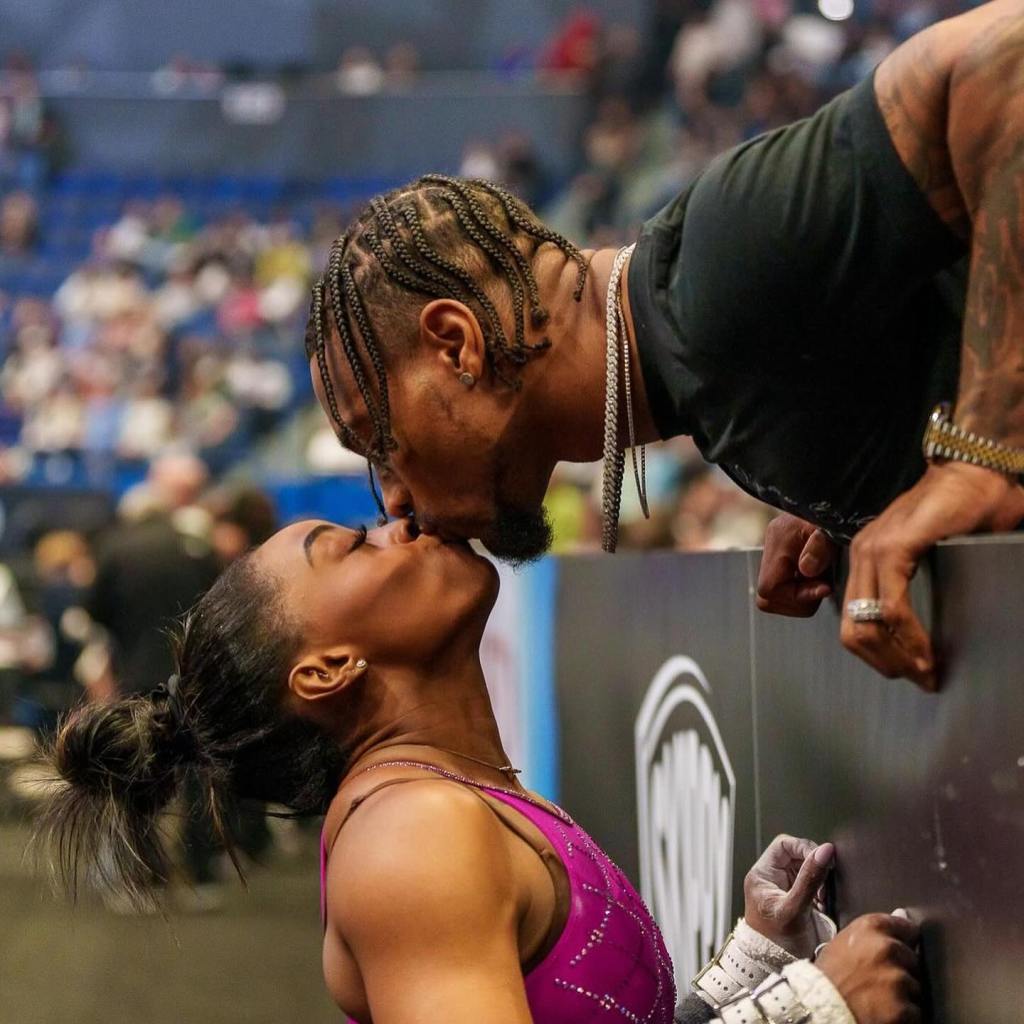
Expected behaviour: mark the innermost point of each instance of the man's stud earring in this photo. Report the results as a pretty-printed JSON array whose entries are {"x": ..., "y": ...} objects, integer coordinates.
[
  {"x": 361, "y": 663},
  {"x": 467, "y": 379}
]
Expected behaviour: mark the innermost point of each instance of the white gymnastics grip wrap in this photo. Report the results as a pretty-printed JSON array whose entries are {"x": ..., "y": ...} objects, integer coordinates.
[
  {"x": 747, "y": 957},
  {"x": 801, "y": 994}
]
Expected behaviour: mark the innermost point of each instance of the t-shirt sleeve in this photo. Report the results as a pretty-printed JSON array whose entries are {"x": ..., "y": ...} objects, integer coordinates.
[{"x": 780, "y": 233}]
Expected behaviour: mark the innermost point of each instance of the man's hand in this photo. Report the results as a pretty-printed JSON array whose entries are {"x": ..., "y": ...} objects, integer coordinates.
[
  {"x": 873, "y": 966},
  {"x": 951, "y": 498},
  {"x": 797, "y": 557},
  {"x": 779, "y": 892}
]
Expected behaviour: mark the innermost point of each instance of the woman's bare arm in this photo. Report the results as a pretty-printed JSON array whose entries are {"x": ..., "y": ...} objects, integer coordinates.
[{"x": 422, "y": 892}]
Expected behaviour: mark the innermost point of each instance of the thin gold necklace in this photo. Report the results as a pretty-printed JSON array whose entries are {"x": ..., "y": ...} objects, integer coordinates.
[{"x": 505, "y": 769}]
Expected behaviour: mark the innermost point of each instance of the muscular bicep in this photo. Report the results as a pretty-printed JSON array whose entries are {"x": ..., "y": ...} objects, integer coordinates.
[
  {"x": 429, "y": 912},
  {"x": 912, "y": 88},
  {"x": 943, "y": 95}
]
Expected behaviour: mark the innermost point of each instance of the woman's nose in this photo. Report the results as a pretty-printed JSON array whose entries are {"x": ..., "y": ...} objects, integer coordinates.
[{"x": 401, "y": 531}]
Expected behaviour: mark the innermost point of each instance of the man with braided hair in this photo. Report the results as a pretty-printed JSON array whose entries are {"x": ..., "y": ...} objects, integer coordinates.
[{"x": 801, "y": 310}]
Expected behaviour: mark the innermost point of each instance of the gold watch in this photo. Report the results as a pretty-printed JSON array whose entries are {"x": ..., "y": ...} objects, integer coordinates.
[{"x": 943, "y": 439}]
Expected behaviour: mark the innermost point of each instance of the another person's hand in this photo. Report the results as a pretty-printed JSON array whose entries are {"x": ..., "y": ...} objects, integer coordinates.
[
  {"x": 951, "y": 498},
  {"x": 873, "y": 966},
  {"x": 779, "y": 892},
  {"x": 794, "y": 567}
]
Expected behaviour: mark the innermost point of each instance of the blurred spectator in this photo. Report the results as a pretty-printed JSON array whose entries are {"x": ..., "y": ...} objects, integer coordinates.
[
  {"x": 479, "y": 160},
  {"x": 151, "y": 569},
  {"x": 574, "y": 49},
  {"x": 181, "y": 73},
  {"x": 402, "y": 65},
  {"x": 28, "y": 133},
  {"x": 709, "y": 47},
  {"x": 64, "y": 570},
  {"x": 18, "y": 224},
  {"x": 713, "y": 515},
  {"x": 147, "y": 422},
  {"x": 618, "y": 66},
  {"x": 359, "y": 73},
  {"x": 243, "y": 518},
  {"x": 521, "y": 167},
  {"x": 611, "y": 141}
]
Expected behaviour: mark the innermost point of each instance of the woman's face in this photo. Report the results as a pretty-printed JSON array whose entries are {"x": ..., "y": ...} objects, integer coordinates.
[{"x": 400, "y": 599}]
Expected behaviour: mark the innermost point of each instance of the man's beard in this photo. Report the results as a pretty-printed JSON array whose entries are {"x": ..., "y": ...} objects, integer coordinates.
[{"x": 518, "y": 536}]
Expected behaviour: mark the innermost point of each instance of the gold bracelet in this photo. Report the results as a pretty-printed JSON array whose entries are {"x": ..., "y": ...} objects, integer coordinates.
[{"x": 943, "y": 439}]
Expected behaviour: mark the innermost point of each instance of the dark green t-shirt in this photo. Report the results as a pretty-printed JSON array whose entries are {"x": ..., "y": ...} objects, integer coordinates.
[{"x": 798, "y": 311}]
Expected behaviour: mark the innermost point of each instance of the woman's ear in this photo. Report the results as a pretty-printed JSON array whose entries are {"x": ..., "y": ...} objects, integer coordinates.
[{"x": 325, "y": 673}]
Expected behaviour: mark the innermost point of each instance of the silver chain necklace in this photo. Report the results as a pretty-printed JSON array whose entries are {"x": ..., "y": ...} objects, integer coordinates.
[{"x": 614, "y": 456}]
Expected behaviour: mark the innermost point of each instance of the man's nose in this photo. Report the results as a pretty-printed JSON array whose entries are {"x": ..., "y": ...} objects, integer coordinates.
[{"x": 397, "y": 500}]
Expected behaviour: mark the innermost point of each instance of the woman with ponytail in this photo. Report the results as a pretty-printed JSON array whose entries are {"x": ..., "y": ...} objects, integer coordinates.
[{"x": 337, "y": 672}]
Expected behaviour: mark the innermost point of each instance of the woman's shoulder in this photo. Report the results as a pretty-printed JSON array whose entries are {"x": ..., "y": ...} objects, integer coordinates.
[{"x": 429, "y": 847}]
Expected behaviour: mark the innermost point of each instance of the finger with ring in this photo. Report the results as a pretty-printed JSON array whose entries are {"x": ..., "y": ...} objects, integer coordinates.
[{"x": 865, "y": 609}]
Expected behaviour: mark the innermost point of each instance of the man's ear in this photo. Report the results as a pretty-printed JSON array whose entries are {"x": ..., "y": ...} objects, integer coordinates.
[
  {"x": 452, "y": 330},
  {"x": 325, "y": 673}
]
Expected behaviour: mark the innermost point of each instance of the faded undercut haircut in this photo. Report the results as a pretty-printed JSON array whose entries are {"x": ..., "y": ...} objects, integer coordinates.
[{"x": 443, "y": 238}]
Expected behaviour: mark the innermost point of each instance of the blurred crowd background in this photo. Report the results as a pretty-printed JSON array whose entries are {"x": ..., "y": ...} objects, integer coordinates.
[{"x": 156, "y": 414}]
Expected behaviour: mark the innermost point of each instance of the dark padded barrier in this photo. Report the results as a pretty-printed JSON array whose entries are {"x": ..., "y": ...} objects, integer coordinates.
[{"x": 924, "y": 795}]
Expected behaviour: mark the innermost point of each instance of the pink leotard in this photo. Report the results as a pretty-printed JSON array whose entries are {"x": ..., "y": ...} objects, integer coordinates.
[{"x": 610, "y": 962}]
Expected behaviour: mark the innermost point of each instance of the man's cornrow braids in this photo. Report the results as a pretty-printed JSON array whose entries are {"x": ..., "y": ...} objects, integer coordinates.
[
  {"x": 500, "y": 259},
  {"x": 532, "y": 227},
  {"x": 320, "y": 350},
  {"x": 515, "y": 283},
  {"x": 444, "y": 287},
  {"x": 385, "y": 441},
  {"x": 538, "y": 315},
  {"x": 394, "y": 270},
  {"x": 409, "y": 214},
  {"x": 462, "y": 287},
  {"x": 439, "y": 286},
  {"x": 341, "y": 322},
  {"x": 381, "y": 431}
]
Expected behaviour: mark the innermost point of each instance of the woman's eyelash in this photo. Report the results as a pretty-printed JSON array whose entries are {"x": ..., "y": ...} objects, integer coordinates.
[{"x": 360, "y": 540}]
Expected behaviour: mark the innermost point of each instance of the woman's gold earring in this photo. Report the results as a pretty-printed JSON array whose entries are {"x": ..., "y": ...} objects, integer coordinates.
[
  {"x": 361, "y": 663},
  {"x": 467, "y": 379}
]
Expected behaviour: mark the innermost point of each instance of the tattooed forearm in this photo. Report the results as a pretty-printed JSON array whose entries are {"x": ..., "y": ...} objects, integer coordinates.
[
  {"x": 986, "y": 141},
  {"x": 953, "y": 100}
]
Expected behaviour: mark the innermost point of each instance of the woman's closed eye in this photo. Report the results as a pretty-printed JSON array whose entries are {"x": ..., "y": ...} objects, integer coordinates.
[{"x": 311, "y": 538}]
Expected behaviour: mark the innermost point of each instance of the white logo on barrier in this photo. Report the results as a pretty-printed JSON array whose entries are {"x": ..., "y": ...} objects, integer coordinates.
[{"x": 686, "y": 803}]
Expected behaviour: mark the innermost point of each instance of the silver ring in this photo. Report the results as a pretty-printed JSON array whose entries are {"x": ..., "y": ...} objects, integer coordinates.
[{"x": 865, "y": 609}]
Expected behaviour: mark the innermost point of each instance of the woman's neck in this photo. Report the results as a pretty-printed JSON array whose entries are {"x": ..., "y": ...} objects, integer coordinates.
[{"x": 445, "y": 721}]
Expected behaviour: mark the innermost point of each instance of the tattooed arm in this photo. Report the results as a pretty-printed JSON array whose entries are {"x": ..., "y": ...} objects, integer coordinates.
[
  {"x": 953, "y": 100},
  {"x": 986, "y": 140}
]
